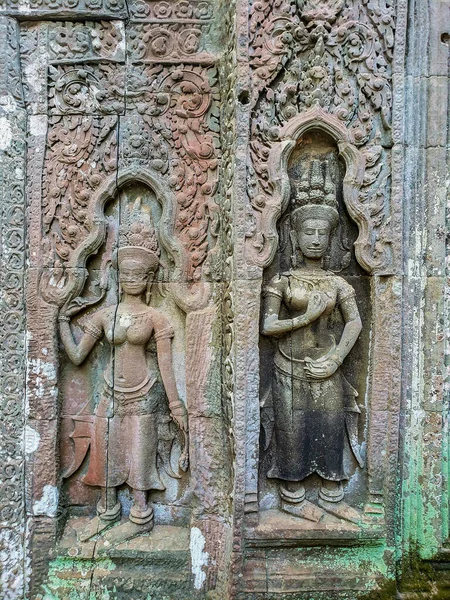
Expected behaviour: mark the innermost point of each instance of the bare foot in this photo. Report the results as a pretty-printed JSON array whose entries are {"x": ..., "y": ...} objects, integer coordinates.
[
  {"x": 94, "y": 527},
  {"x": 304, "y": 510},
  {"x": 342, "y": 510}
]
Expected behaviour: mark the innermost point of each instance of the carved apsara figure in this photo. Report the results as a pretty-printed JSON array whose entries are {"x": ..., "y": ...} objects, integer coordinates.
[
  {"x": 314, "y": 405},
  {"x": 132, "y": 417}
]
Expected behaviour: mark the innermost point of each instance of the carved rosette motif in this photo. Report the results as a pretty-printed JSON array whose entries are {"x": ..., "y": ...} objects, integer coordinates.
[
  {"x": 63, "y": 8},
  {"x": 335, "y": 56},
  {"x": 13, "y": 330}
]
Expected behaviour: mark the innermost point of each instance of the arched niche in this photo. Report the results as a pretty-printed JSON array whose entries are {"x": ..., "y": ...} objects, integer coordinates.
[
  {"x": 318, "y": 137},
  {"x": 81, "y": 386},
  {"x": 278, "y": 162},
  {"x": 189, "y": 296}
]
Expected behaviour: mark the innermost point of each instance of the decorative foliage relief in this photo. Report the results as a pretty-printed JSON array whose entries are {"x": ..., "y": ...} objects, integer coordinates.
[
  {"x": 332, "y": 54},
  {"x": 171, "y": 125}
]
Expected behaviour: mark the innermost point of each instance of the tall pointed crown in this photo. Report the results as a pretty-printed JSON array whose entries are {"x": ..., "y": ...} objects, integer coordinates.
[
  {"x": 315, "y": 194},
  {"x": 137, "y": 237}
]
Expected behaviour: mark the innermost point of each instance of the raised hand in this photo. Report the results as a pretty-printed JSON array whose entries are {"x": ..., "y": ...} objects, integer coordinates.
[{"x": 58, "y": 284}]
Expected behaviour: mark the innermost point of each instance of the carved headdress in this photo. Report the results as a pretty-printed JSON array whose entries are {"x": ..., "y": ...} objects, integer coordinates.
[
  {"x": 137, "y": 238},
  {"x": 315, "y": 196}
]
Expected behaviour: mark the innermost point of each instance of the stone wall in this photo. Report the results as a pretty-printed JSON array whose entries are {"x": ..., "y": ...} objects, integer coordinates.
[{"x": 224, "y": 289}]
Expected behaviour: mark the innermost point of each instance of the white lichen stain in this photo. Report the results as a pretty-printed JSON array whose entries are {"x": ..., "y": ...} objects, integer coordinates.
[
  {"x": 32, "y": 439},
  {"x": 38, "y": 125},
  {"x": 48, "y": 504},
  {"x": 199, "y": 558},
  {"x": 11, "y": 559},
  {"x": 119, "y": 26},
  {"x": 125, "y": 320},
  {"x": 44, "y": 372},
  {"x": 5, "y": 133},
  {"x": 9, "y": 104},
  {"x": 33, "y": 75},
  {"x": 24, "y": 7}
]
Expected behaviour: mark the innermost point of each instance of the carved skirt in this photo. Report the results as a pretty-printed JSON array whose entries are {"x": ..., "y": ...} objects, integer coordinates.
[
  {"x": 310, "y": 426},
  {"x": 124, "y": 441}
]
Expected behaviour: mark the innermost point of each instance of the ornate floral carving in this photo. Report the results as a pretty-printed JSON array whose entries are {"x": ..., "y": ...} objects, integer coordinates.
[
  {"x": 194, "y": 123},
  {"x": 197, "y": 10},
  {"x": 145, "y": 142},
  {"x": 82, "y": 40},
  {"x": 333, "y": 55},
  {"x": 61, "y": 8},
  {"x": 85, "y": 89},
  {"x": 81, "y": 152},
  {"x": 173, "y": 113},
  {"x": 174, "y": 42}
]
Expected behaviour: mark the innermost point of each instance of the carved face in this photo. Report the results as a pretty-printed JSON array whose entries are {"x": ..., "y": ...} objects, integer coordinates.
[
  {"x": 314, "y": 237},
  {"x": 133, "y": 277}
]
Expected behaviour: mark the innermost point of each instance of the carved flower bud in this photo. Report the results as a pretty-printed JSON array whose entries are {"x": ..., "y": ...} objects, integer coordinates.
[
  {"x": 72, "y": 230},
  {"x": 95, "y": 179}
]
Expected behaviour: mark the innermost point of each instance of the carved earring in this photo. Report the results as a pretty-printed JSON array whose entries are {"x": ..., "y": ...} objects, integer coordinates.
[
  {"x": 120, "y": 292},
  {"x": 148, "y": 293},
  {"x": 294, "y": 257}
]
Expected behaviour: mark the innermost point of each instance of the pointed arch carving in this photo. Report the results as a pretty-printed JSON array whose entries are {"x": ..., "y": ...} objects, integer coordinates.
[
  {"x": 187, "y": 295},
  {"x": 262, "y": 252}
]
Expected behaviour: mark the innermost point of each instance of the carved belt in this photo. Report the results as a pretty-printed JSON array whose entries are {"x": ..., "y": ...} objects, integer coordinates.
[{"x": 130, "y": 394}]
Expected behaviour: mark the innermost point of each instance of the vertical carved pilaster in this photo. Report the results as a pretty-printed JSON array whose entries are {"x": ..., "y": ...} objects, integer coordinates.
[{"x": 13, "y": 437}]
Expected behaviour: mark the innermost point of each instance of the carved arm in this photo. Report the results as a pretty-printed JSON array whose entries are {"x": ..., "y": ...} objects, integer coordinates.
[
  {"x": 329, "y": 363},
  {"x": 272, "y": 325},
  {"x": 177, "y": 409},
  {"x": 352, "y": 329},
  {"x": 78, "y": 352}
]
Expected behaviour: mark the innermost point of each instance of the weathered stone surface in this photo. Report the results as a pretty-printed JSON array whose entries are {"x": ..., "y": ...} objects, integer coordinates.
[{"x": 196, "y": 196}]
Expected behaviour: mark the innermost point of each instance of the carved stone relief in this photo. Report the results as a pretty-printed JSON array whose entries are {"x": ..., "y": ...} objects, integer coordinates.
[
  {"x": 313, "y": 410},
  {"x": 14, "y": 439},
  {"x": 215, "y": 351},
  {"x": 131, "y": 112},
  {"x": 333, "y": 59},
  {"x": 130, "y": 425}
]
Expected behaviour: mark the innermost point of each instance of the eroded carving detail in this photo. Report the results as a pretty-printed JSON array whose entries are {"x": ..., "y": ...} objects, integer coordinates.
[
  {"x": 132, "y": 423},
  {"x": 314, "y": 407},
  {"x": 69, "y": 41},
  {"x": 332, "y": 55}
]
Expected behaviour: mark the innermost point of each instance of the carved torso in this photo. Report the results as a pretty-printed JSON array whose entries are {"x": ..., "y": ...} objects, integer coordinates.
[
  {"x": 294, "y": 289},
  {"x": 129, "y": 330}
]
